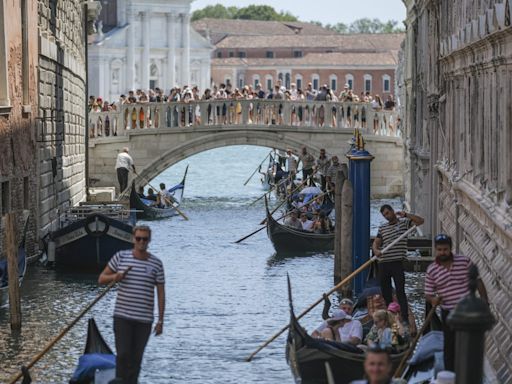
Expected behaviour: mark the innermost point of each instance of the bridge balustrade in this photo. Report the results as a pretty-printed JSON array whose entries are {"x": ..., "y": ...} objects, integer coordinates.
[{"x": 231, "y": 113}]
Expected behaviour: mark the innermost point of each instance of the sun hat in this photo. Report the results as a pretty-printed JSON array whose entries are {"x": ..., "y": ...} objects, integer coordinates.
[
  {"x": 339, "y": 314},
  {"x": 394, "y": 307},
  {"x": 346, "y": 301}
]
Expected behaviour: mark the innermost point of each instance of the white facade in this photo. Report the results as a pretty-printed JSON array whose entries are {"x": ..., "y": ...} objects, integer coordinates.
[{"x": 152, "y": 46}]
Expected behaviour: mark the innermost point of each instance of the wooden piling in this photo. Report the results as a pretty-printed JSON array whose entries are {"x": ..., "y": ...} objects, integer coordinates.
[
  {"x": 12, "y": 272},
  {"x": 340, "y": 178},
  {"x": 346, "y": 235}
]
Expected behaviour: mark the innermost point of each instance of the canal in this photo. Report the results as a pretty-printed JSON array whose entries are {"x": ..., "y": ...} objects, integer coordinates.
[{"x": 223, "y": 299}]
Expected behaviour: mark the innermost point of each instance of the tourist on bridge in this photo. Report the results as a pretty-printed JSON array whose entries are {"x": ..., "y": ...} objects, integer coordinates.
[
  {"x": 308, "y": 161},
  {"x": 133, "y": 312},
  {"x": 390, "y": 264},
  {"x": 124, "y": 164},
  {"x": 446, "y": 283}
]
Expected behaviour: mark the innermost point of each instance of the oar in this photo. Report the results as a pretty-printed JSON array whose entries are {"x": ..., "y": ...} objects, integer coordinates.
[
  {"x": 271, "y": 189},
  {"x": 403, "y": 362},
  {"x": 50, "y": 345},
  {"x": 279, "y": 218},
  {"x": 257, "y": 168},
  {"x": 291, "y": 193},
  {"x": 334, "y": 289},
  {"x": 165, "y": 197}
]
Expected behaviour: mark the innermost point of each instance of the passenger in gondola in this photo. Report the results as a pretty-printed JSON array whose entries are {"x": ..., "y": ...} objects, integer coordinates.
[
  {"x": 165, "y": 196},
  {"x": 340, "y": 327},
  {"x": 404, "y": 331},
  {"x": 293, "y": 220},
  {"x": 141, "y": 192},
  {"x": 152, "y": 197},
  {"x": 381, "y": 334},
  {"x": 317, "y": 204},
  {"x": 307, "y": 225},
  {"x": 322, "y": 224}
]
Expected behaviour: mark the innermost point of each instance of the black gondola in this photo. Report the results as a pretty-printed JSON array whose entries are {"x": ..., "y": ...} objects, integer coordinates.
[
  {"x": 97, "y": 355},
  {"x": 290, "y": 240},
  {"x": 147, "y": 212}
]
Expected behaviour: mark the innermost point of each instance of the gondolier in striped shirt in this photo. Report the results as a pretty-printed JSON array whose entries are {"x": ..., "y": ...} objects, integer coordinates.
[
  {"x": 134, "y": 308},
  {"x": 446, "y": 283},
  {"x": 390, "y": 264}
]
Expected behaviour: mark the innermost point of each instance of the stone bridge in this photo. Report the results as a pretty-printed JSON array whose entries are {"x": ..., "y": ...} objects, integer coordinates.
[{"x": 161, "y": 134}]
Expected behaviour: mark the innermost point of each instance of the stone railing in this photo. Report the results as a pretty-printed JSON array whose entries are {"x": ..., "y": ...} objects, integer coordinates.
[{"x": 219, "y": 113}]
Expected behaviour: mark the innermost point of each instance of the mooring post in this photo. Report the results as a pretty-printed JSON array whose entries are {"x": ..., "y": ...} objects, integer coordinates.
[
  {"x": 338, "y": 187},
  {"x": 470, "y": 319},
  {"x": 12, "y": 272},
  {"x": 359, "y": 164},
  {"x": 346, "y": 234}
]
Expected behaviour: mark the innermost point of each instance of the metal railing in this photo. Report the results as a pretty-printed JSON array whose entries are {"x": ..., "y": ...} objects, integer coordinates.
[{"x": 255, "y": 112}]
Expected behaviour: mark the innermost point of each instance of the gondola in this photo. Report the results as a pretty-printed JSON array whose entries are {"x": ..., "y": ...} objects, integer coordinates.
[
  {"x": 290, "y": 240},
  {"x": 147, "y": 212},
  {"x": 97, "y": 356}
]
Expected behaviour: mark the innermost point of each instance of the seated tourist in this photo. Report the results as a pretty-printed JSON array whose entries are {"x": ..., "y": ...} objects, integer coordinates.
[
  {"x": 141, "y": 192},
  {"x": 322, "y": 224},
  {"x": 403, "y": 330},
  {"x": 307, "y": 225},
  {"x": 165, "y": 196},
  {"x": 151, "y": 195},
  {"x": 340, "y": 327},
  {"x": 293, "y": 220},
  {"x": 381, "y": 334}
]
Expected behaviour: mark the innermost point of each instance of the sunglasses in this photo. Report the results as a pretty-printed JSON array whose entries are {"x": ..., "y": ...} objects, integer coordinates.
[{"x": 138, "y": 238}]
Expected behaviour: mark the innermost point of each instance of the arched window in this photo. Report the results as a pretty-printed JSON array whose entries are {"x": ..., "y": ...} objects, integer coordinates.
[
  {"x": 227, "y": 80},
  {"x": 269, "y": 82},
  {"x": 255, "y": 80},
  {"x": 241, "y": 81},
  {"x": 333, "y": 82},
  {"x": 287, "y": 80},
  {"x": 349, "y": 79},
  {"x": 367, "y": 83},
  {"x": 154, "y": 74},
  {"x": 386, "y": 83},
  {"x": 298, "y": 80},
  {"x": 315, "y": 79}
]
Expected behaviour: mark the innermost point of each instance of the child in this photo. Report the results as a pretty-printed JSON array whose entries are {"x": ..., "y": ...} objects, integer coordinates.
[{"x": 381, "y": 334}]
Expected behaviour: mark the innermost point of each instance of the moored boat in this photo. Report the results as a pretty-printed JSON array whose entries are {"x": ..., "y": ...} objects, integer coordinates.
[
  {"x": 146, "y": 211},
  {"x": 89, "y": 235}
]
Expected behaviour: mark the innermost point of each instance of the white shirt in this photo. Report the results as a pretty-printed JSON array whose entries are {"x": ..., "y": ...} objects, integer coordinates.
[
  {"x": 351, "y": 329},
  {"x": 124, "y": 160},
  {"x": 291, "y": 163},
  {"x": 307, "y": 225}
]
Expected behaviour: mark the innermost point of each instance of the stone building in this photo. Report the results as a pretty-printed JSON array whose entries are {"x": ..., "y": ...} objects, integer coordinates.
[
  {"x": 146, "y": 44},
  {"x": 18, "y": 111},
  {"x": 456, "y": 85},
  {"x": 62, "y": 106},
  {"x": 252, "y": 52}
]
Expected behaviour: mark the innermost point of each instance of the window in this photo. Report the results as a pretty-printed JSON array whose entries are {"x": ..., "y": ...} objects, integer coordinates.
[
  {"x": 242, "y": 54},
  {"x": 333, "y": 82},
  {"x": 4, "y": 83},
  {"x": 269, "y": 55},
  {"x": 386, "y": 83},
  {"x": 231, "y": 54},
  {"x": 255, "y": 80},
  {"x": 298, "y": 81},
  {"x": 269, "y": 81},
  {"x": 25, "y": 193},
  {"x": 349, "y": 79},
  {"x": 367, "y": 83},
  {"x": 287, "y": 80},
  {"x": 227, "y": 81},
  {"x": 297, "y": 53},
  {"x": 6, "y": 198},
  {"x": 315, "y": 79},
  {"x": 241, "y": 82},
  {"x": 219, "y": 54}
]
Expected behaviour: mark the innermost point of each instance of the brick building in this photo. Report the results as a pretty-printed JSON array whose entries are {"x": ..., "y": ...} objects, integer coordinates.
[
  {"x": 455, "y": 84},
  {"x": 252, "y": 52},
  {"x": 18, "y": 109}
]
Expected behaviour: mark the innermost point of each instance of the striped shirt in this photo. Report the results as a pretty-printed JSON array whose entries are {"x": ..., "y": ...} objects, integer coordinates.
[
  {"x": 452, "y": 284},
  {"x": 136, "y": 293},
  {"x": 388, "y": 233}
]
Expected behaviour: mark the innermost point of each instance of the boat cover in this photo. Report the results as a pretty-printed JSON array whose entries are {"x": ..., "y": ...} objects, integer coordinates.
[
  {"x": 89, "y": 363},
  {"x": 428, "y": 345}
]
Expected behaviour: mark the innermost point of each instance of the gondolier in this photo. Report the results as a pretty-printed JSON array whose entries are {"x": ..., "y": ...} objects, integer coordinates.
[
  {"x": 390, "y": 263},
  {"x": 124, "y": 164},
  {"x": 308, "y": 161},
  {"x": 133, "y": 313}
]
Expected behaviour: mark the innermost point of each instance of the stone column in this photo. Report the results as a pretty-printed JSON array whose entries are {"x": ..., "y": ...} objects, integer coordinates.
[
  {"x": 171, "y": 53},
  {"x": 185, "y": 58},
  {"x": 130, "y": 59},
  {"x": 145, "y": 50}
]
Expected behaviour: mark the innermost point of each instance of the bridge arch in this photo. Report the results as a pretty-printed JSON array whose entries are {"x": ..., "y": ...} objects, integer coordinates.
[{"x": 194, "y": 146}]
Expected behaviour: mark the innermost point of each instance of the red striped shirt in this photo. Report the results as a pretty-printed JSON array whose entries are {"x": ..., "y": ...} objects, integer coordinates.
[{"x": 452, "y": 284}]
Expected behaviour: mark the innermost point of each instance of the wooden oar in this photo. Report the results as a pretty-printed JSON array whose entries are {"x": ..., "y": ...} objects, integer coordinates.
[
  {"x": 403, "y": 362},
  {"x": 279, "y": 218},
  {"x": 291, "y": 193},
  {"x": 165, "y": 197},
  {"x": 49, "y": 346},
  {"x": 272, "y": 189},
  {"x": 334, "y": 289},
  {"x": 257, "y": 168}
]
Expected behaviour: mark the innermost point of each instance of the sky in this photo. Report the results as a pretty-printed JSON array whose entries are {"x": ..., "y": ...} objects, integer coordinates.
[{"x": 325, "y": 11}]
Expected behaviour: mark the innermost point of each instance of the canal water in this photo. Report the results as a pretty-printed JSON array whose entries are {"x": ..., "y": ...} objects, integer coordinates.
[{"x": 223, "y": 299}]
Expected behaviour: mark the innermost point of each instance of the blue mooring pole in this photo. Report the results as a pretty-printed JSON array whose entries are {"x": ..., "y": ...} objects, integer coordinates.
[{"x": 359, "y": 174}]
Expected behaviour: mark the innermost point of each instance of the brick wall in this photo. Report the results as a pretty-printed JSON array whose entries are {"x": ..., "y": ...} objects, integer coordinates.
[{"x": 62, "y": 94}]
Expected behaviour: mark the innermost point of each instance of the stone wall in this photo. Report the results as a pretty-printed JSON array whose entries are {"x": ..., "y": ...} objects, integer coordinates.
[
  {"x": 62, "y": 94},
  {"x": 457, "y": 77},
  {"x": 18, "y": 125}
]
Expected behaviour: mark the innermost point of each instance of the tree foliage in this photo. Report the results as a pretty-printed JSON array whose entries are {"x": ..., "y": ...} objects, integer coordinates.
[{"x": 251, "y": 12}]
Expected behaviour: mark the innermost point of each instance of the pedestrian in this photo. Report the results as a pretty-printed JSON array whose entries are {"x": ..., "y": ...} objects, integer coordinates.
[
  {"x": 446, "y": 283},
  {"x": 378, "y": 368},
  {"x": 124, "y": 164},
  {"x": 133, "y": 312},
  {"x": 308, "y": 161},
  {"x": 390, "y": 264}
]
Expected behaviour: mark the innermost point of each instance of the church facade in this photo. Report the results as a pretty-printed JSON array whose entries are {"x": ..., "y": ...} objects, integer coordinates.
[{"x": 145, "y": 44}]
